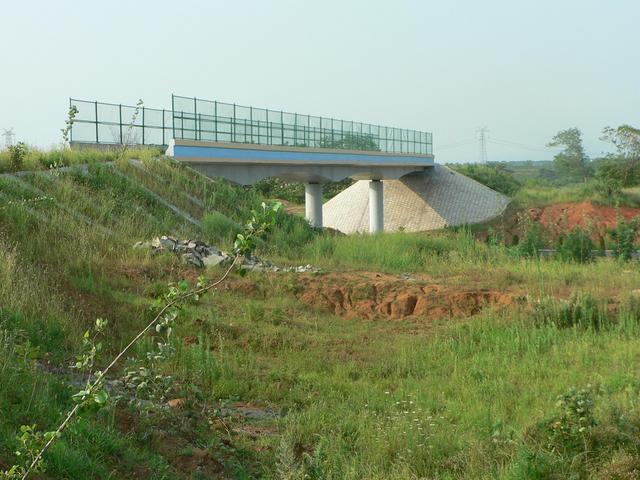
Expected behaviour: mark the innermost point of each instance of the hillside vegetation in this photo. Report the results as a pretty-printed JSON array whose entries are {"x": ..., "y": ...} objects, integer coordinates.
[{"x": 286, "y": 375}]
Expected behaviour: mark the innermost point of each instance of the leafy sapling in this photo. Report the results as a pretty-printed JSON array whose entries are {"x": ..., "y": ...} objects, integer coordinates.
[
  {"x": 66, "y": 131},
  {"x": 93, "y": 396}
]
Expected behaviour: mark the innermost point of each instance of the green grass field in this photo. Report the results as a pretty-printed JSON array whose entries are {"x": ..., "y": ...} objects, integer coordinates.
[{"x": 271, "y": 387}]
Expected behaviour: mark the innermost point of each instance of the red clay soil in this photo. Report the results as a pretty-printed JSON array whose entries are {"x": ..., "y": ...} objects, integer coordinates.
[
  {"x": 584, "y": 214},
  {"x": 373, "y": 296}
]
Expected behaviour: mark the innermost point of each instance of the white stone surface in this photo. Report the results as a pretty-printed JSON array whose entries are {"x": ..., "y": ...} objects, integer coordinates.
[{"x": 417, "y": 202}]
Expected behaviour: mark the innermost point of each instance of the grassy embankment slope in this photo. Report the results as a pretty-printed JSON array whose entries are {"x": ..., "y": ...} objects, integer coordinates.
[{"x": 336, "y": 397}]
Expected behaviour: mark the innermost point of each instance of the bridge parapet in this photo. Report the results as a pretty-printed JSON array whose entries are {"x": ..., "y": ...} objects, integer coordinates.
[{"x": 209, "y": 120}]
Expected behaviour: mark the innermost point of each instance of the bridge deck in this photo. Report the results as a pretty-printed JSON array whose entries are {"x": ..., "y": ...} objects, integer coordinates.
[{"x": 249, "y": 163}]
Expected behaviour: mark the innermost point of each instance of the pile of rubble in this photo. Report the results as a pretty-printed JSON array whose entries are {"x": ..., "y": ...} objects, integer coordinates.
[
  {"x": 201, "y": 255},
  {"x": 193, "y": 252}
]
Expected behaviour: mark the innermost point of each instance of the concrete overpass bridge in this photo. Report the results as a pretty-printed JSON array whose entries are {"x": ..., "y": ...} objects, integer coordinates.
[
  {"x": 247, "y": 164},
  {"x": 246, "y": 145},
  {"x": 398, "y": 185}
]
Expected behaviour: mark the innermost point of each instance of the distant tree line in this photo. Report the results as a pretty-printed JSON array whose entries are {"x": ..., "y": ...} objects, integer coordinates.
[
  {"x": 611, "y": 173},
  {"x": 496, "y": 176},
  {"x": 607, "y": 175}
]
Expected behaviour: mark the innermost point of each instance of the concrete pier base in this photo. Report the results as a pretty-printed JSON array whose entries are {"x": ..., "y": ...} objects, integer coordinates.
[
  {"x": 376, "y": 208},
  {"x": 313, "y": 204}
]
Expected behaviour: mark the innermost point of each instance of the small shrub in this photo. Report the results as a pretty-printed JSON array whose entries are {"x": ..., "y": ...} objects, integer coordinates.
[
  {"x": 581, "y": 310},
  {"x": 331, "y": 189},
  {"x": 624, "y": 236},
  {"x": 276, "y": 188},
  {"x": 51, "y": 159},
  {"x": 532, "y": 241},
  {"x": 219, "y": 228},
  {"x": 494, "y": 238},
  {"x": 623, "y": 466},
  {"x": 495, "y": 176},
  {"x": 531, "y": 465},
  {"x": 290, "y": 234},
  {"x": 17, "y": 155},
  {"x": 569, "y": 431},
  {"x": 577, "y": 246}
]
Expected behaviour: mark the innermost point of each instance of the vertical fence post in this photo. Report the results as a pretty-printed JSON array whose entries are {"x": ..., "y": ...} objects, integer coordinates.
[
  {"x": 268, "y": 125},
  {"x": 333, "y": 136},
  {"x": 95, "y": 106},
  {"x": 173, "y": 116},
  {"x": 70, "y": 131},
  {"x": 143, "y": 125},
  {"x": 163, "y": 142},
  {"x": 215, "y": 120},
  {"x": 282, "y": 126},
  {"x": 250, "y": 125},
  {"x": 120, "y": 122},
  {"x": 233, "y": 124},
  {"x": 195, "y": 118},
  {"x": 295, "y": 129}
]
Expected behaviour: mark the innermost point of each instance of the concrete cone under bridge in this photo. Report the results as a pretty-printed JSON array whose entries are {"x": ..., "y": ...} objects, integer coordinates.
[{"x": 435, "y": 198}]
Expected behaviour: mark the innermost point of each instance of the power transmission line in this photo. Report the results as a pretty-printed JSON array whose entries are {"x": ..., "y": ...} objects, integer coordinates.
[
  {"x": 457, "y": 144},
  {"x": 8, "y": 137},
  {"x": 482, "y": 144},
  {"x": 509, "y": 143}
]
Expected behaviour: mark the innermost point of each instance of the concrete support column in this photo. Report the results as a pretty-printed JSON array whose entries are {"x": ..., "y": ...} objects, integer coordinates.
[
  {"x": 313, "y": 204},
  {"x": 376, "y": 209}
]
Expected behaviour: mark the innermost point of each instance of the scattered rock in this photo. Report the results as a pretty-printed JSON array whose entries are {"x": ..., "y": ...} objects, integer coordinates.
[
  {"x": 200, "y": 255},
  {"x": 249, "y": 411},
  {"x": 213, "y": 259},
  {"x": 176, "y": 403}
]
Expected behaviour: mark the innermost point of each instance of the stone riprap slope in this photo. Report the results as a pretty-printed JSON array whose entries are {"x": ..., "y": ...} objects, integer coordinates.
[{"x": 418, "y": 202}]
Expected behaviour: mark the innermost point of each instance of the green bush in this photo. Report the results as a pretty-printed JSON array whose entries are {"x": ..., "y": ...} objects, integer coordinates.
[
  {"x": 624, "y": 235},
  {"x": 294, "y": 191},
  {"x": 289, "y": 235},
  {"x": 532, "y": 241},
  {"x": 494, "y": 176},
  {"x": 581, "y": 310},
  {"x": 577, "y": 246},
  {"x": 331, "y": 189},
  {"x": 217, "y": 227},
  {"x": 276, "y": 188},
  {"x": 17, "y": 154}
]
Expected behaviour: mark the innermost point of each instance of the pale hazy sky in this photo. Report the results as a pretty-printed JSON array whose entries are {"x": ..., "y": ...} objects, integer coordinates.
[{"x": 524, "y": 69}]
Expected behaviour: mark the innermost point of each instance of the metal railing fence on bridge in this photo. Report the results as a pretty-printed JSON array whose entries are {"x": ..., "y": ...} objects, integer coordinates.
[
  {"x": 208, "y": 120},
  {"x": 110, "y": 123},
  {"x": 196, "y": 119}
]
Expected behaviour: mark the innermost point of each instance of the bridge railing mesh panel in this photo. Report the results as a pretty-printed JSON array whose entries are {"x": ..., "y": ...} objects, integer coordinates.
[
  {"x": 197, "y": 119},
  {"x": 109, "y": 123},
  {"x": 207, "y": 120}
]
